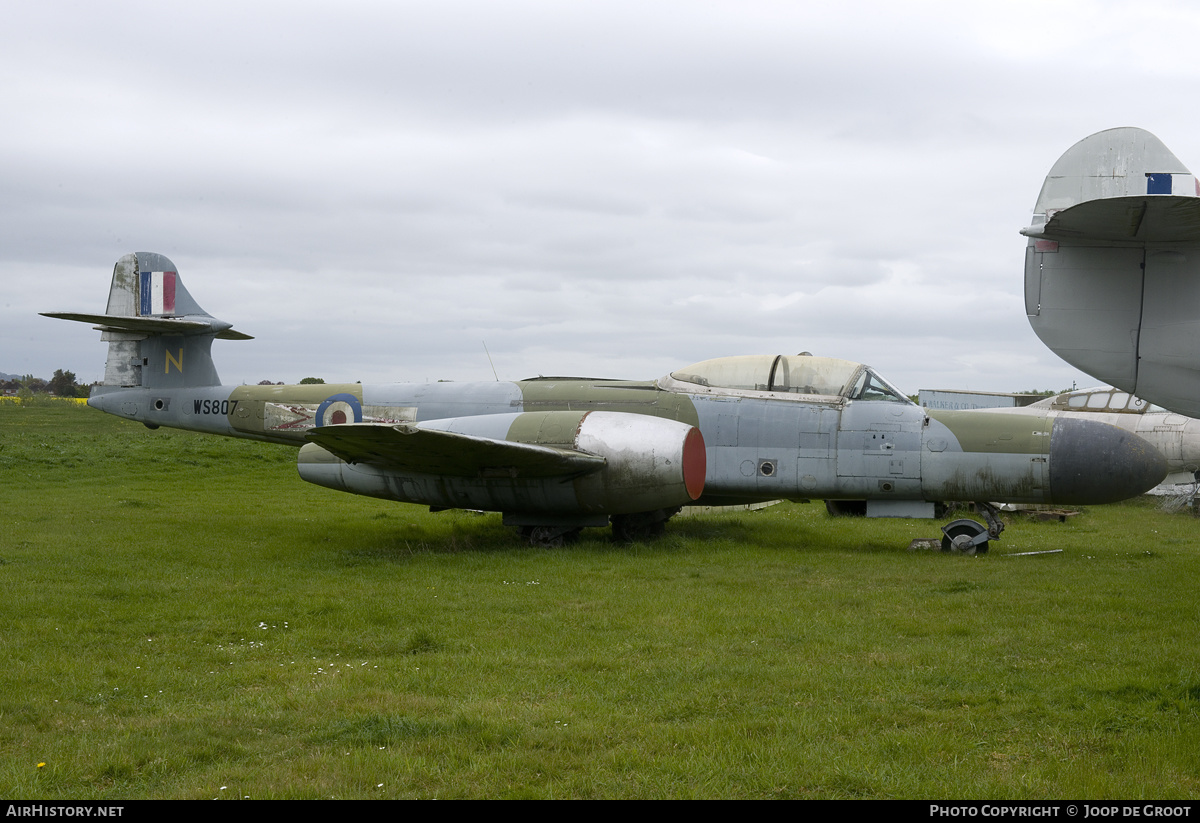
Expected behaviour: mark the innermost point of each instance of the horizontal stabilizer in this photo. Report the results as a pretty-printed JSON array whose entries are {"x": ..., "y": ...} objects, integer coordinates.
[
  {"x": 153, "y": 325},
  {"x": 1141, "y": 219},
  {"x": 410, "y": 448}
]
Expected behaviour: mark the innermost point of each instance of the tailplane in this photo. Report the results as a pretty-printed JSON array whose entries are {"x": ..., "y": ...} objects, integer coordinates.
[
  {"x": 157, "y": 335},
  {"x": 1112, "y": 266}
]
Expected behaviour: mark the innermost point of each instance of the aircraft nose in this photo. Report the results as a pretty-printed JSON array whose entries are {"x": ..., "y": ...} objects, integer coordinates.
[{"x": 1093, "y": 462}]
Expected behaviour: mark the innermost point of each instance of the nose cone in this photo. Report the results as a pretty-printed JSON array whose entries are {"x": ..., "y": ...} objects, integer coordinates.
[{"x": 1093, "y": 462}]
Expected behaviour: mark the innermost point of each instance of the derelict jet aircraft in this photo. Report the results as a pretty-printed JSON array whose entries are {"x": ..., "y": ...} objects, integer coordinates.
[
  {"x": 1112, "y": 267},
  {"x": 555, "y": 455}
]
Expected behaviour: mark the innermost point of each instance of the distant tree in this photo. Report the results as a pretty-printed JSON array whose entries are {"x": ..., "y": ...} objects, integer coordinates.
[
  {"x": 265, "y": 383},
  {"x": 311, "y": 380},
  {"x": 62, "y": 383}
]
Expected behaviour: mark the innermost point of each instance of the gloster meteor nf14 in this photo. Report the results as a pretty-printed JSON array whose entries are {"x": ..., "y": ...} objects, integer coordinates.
[{"x": 555, "y": 455}]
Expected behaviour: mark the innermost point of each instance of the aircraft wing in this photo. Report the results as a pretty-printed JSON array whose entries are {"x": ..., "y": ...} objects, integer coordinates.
[{"x": 410, "y": 448}]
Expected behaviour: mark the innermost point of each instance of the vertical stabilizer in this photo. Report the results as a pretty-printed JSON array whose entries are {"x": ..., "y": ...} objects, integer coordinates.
[
  {"x": 145, "y": 284},
  {"x": 1112, "y": 266},
  {"x": 1124, "y": 162},
  {"x": 157, "y": 335}
]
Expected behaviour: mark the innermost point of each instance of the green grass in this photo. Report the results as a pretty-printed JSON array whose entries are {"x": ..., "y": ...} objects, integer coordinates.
[{"x": 181, "y": 616}]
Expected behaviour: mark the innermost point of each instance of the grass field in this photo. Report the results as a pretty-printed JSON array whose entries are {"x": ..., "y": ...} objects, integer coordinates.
[{"x": 183, "y": 617}]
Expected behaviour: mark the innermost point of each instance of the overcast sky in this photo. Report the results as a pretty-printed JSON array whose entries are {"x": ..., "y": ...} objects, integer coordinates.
[{"x": 375, "y": 189}]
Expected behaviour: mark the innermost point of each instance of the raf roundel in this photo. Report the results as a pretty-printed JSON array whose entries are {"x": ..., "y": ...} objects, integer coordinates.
[{"x": 338, "y": 409}]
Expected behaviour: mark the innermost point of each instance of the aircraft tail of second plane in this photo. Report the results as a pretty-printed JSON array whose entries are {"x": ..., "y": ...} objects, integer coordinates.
[{"x": 1111, "y": 266}]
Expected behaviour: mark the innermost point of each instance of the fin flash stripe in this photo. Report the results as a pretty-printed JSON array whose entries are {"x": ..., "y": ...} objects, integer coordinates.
[{"x": 156, "y": 293}]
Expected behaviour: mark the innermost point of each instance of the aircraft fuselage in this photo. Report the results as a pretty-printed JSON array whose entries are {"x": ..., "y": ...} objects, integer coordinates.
[{"x": 895, "y": 455}]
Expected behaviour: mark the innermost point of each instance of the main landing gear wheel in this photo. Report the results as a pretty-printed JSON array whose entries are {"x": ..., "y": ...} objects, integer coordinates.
[
  {"x": 970, "y": 536},
  {"x": 959, "y": 536}
]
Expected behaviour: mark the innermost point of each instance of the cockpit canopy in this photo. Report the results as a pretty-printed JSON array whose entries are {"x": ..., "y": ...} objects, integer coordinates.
[
  {"x": 801, "y": 374},
  {"x": 1100, "y": 399}
]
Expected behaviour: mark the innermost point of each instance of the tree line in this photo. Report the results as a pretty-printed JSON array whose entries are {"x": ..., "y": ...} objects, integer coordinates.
[{"x": 62, "y": 384}]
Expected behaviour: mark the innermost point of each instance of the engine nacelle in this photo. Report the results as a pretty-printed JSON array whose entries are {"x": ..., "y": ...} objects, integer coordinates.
[{"x": 649, "y": 463}]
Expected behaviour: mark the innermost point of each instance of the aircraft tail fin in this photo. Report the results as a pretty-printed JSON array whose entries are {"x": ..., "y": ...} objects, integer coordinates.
[
  {"x": 1110, "y": 266},
  {"x": 157, "y": 334},
  {"x": 1123, "y": 162}
]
